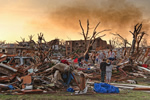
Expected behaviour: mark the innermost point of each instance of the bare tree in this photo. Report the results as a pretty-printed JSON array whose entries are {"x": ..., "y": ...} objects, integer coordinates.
[
  {"x": 115, "y": 42},
  {"x": 40, "y": 38},
  {"x": 2, "y": 42},
  {"x": 137, "y": 37},
  {"x": 22, "y": 43},
  {"x": 23, "y": 39},
  {"x": 144, "y": 42},
  {"x": 91, "y": 39},
  {"x": 31, "y": 37},
  {"x": 125, "y": 41},
  {"x": 85, "y": 35}
]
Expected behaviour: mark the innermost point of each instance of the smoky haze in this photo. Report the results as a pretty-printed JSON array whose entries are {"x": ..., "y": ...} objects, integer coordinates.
[{"x": 118, "y": 15}]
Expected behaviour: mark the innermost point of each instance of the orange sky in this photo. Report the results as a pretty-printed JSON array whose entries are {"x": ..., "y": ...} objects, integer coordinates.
[{"x": 59, "y": 18}]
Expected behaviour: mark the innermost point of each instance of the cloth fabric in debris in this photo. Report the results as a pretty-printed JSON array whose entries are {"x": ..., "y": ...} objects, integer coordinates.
[
  {"x": 110, "y": 58},
  {"x": 105, "y": 88},
  {"x": 145, "y": 65},
  {"x": 70, "y": 90},
  {"x": 68, "y": 78},
  {"x": 81, "y": 68},
  {"x": 11, "y": 87},
  {"x": 65, "y": 62},
  {"x": 75, "y": 60},
  {"x": 61, "y": 67}
]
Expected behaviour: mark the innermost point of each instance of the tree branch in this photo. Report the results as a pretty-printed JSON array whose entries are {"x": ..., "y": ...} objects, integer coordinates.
[
  {"x": 87, "y": 29},
  {"x": 103, "y": 31},
  {"x": 96, "y": 27},
  {"x": 82, "y": 29}
]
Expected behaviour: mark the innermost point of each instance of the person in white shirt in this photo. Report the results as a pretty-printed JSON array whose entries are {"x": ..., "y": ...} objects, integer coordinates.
[
  {"x": 108, "y": 72},
  {"x": 111, "y": 55}
]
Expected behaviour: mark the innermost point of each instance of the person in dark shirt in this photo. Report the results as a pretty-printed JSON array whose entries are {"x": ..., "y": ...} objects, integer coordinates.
[
  {"x": 79, "y": 60},
  {"x": 86, "y": 57},
  {"x": 103, "y": 69}
]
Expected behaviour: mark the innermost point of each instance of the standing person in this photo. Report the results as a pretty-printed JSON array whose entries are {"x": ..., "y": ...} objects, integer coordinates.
[
  {"x": 111, "y": 55},
  {"x": 93, "y": 57},
  {"x": 80, "y": 59},
  {"x": 103, "y": 69},
  {"x": 86, "y": 57},
  {"x": 101, "y": 56},
  {"x": 108, "y": 72},
  {"x": 96, "y": 60}
]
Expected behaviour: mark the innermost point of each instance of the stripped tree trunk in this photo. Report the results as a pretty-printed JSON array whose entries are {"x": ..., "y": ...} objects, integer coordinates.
[{"x": 90, "y": 39}]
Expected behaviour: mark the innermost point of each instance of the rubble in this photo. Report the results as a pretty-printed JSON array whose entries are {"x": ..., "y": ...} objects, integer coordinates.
[
  {"x": 39, "y": 71},
  {"x": 53, "y": 76}
]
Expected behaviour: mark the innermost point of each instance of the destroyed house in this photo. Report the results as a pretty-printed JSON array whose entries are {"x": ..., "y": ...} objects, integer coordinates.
[
  {"x": 79, "y": 45},
  {"x": 27, "y": 44},
  {"x": 12, "y": 49},
  {"x": 57, "y": 46},
  {"x": 8, "y": 48},
  {"x": 54, "y": 43}
]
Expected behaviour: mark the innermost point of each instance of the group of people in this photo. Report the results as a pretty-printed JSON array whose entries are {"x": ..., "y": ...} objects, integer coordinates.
[
  {"x": 106, "y": 65},
  {"x": 104, "y": 61},
  {"x": 82, "y": 57},
  {"x": 106, "y": 68}
]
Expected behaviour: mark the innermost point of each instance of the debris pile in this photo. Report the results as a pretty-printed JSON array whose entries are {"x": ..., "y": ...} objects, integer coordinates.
[
  {"x": 38, "y": 70},
  {"x": 51, "y": 76}
]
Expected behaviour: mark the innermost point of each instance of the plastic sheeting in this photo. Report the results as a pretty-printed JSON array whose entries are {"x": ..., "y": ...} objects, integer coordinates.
[{"x": 105, "y": 88}]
